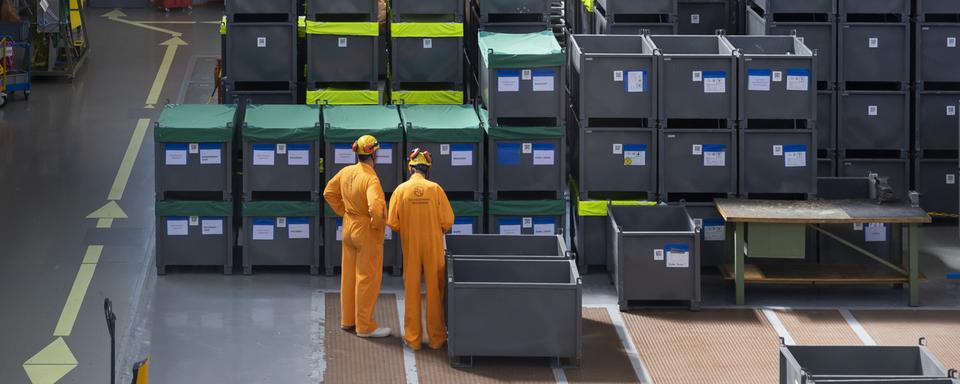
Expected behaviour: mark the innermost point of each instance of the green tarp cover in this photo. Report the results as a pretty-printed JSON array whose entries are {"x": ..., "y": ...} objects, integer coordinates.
[
  {"x": 282, "y": 123},
  {"x": 327, "y": 211},
  {"x": 519, "y": 132},
  {"x": 467, "y": 208},
  {"x": 195, "y": 123},
  {"x": 345, "y": 123},
  {"x": 526, "y": 207},
  {"x": 520, "y": 50},
  {"x": 194, "y": 208},
  {"x": 441, "y": 123},
  {"x": 281, "y": 208}
]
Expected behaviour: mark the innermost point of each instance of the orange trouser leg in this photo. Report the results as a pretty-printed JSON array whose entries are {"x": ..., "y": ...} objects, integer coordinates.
[
  {"x": 369, "y": 277},
  {"x": 348, "y": 285},
  {"x": 411, "y": 299},
  {"x": 434, "y": 271}
]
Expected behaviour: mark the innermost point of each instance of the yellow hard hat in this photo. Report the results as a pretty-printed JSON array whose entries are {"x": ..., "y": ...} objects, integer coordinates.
[
  {"x": 366, "y": 145},
  {"x": 420, "y": 157}
]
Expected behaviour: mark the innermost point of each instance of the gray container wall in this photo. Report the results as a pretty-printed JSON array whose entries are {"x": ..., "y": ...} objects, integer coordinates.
[
  {"x": 454, "y": 178},
  {"x": 778, "y": 161},
  {"x": 898, "y": 7},
  {"x": 232, "y": 96},
  {"x": 774, "y": 58},
  {"x": 794, "y": 6},
  {"x": 281, "y": 251},
  {"x": 524, "y": 103},
  {"x": 703, "y": 17},
  {"x": 639, "y": 236},
  {"x": 927, "y": 8},
  {"x": 897, "y": 170},
  {"x": 234, "y": 7},
  {"x": 193, "y": 176},
  {"x": 195, "y": 249},
  {"x": 476, "y": 225},
  {"x": 514, "y": 7},
  {"x": 506, "y": 224},
  {"x": 427, "y": 60},
  {"x": 820, "y": 37},
  {"x": 618, "y": 160},
  {"x": 403, "y": 9},
  {"x": 874, "y": 52},
  {"x": 826, "y": 120},
  {"x": 698, "y": 78},
  {"x": 506, "y": 246},
  {"x": 826, "y": 167},
  {"x": 613, "y": 8},
  {"x": 337, "y": 59},
  {"x": 873, "y": 120},
  {"x": 683, "y": 169},
  {"x": 883, "y": 241},
  {"x": 281, "y": 176},
  {"x": 602, "y": 67},
  {"x": 937, "y": 53},
  {"x": 333, "y": 247},
  {"x": 604, "y": 27},
  {"x": 937, "y": 184},
  {"x": 936, "y": 125},
  {"x": 860, "y": 364},
  {"x": 506, "y": 172},
  {"x": 714, "y": 250},
  {"x": 338, "y": 7},
  {"x": 262, "y": 52},
  {"x": 592, "y": 241},
  {"x": 390, "y": 174}
]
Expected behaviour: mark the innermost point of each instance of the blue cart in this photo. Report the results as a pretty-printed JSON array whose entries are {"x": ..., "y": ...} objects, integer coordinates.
[{"x": 15, "y": 70}]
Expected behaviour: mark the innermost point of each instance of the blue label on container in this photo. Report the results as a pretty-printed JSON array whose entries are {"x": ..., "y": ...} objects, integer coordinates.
[
  {"x": 339, "y": 222},
  {"x": 634, "y": 147},
  {"x": 508, "y": 73},
  {"x": 795, "y": 148},
  {"x": 208, "y": 146},
  {"x": 299, "y": 147},
  {"x": 544, "y": 146},
  {"x": 714, "y": 147},
  {"x": 508, "y": 153},
  {"x": 263, "y": 221},
  {"x": 264, "y": 147},
  {"x": 509, "y": 221},
  {"x": 343, "y": 146},
  {"x": 676, "y": 248},
  {"x": 544, "y": 220},
  {"x": 714, "y": 74},
  {"x": 798, "y": 72},
  {"x": 461, "y": 220},
  {"x": 211, "y": 217},
  {"x": 386, "y": 146},
  {"x": 757, "y": 72},
  {"x": 712, "y": 222},
  {"x": 175, "y": 147},
  {"x": 461, "y": 147},
  {"x": 543, "y": 72},
  {"x": 177, "y": 218},
  {"x": 298, "y": 220}
]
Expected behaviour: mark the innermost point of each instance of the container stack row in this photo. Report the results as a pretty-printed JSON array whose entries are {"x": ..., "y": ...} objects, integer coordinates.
[
  {"x": 344, "y": 49},
  {"x": 427, "y": 49},
  {"x": 660, "y": 17},
  {"x": 260, "y": 52}
]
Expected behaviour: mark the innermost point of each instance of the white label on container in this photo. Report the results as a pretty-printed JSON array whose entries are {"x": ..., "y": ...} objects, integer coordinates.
[
  {"x": 508, "y": 84},
  {"x": 261, "y": 42},
  {"x": 262, "y": 232},
  {"x": 714, "y": 159},
  {"x": 385, "y": 154},
  {"x": 210, "y": 156},
  {"x": 299, "y": 231},
  {"x": 657, "y": 254},
  {"x": 677, "y": 258},
  {"x": 694, "y": 18},
  {"x": 697, "y": 76},
  {"x": 714, "y": 233},
  {"x": 543, "y": 83},
  {"x": 342, "y": 42},
  {"x": 857, "y": 226},
  {"x": 543, "y": 157},
  {"x": 697, "y": 149},
  {"x": 526, "y": 74},
  {"x": 617, "y": 75},
  {"x": 444, "y": 149},
  {"x": 526, "y": 148},
  {"x": 777, "y": 76},
  {"x": 177, "y": 227},
  {"x": 281, "y": 222},
  {"x": 951, "y": 42},
  {"x": 387, "y": 233},
  {"x": 635, "y": 81},
  {"x": 427, "y": 43},
  {"x": 951, "y": 110},
  {"x": 194, "y": 221},
  {"x": 344, "y": 156},
  {"x": 461, "y": 158},
  {"x": 795, "y": 159},
  {"x": 875, "y": 232},
  {"x": 262, "y": 157},
  {"x": 873, "y": 42},
  {"x": 618, "y": 149},
  {"x": 510, "y": 229},
  {"x": 544, "y": 229},
  {"x": 461, "y": 229},
  {"x": 528, "y": 222},
  {"x": 211, "y": 227},
  {"x": 951, "y": 179},
  {"x": 758, "y": 82},
  {"x": 339, "y": 235},
  {"x": 872, "y": 110},
  {"x": 281, "y": 149},
  {"x": 194, "y": 148},
  {"x": 635, "y": 155},
  {"x": 175, "y": 157},
  {"x": 715, "y": 85},
  {"x": 798, "y": 83},
  {"x": 698, "y": 222},
  {"x": 778, "y": 150},
  {"x": 298, "y": 157}
]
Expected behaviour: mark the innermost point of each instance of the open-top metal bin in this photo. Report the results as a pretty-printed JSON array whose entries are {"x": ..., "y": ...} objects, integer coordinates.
[
  {"x": 526, "y": 217},
  {"x": 714, "y": 250},
  {"x": 591, "y": 234},
  {"x": 194, "y": 148},
  {"x": 281, "y": 149},
  {"x": 468, "y": 217},
  {"x": 281, "y": 233},
  {"x": 343, "y": 124},
  {"x": 656, "y": 254},
  {"x": 777, "y": 80},
  {"x": 703, "y": 17},
  {"x": 698, "y": 79},
  {"x": 613, "y": 78},
  {"x": 512, "y": 296},
  {"x": 809, "y": 364},
  {"x": 454, "y": 135},
  {"x": 629, "y": 17},
  {"x": 426, "y": 54},
  {"x": 194, "y": 233},
  {"x": 343, "y": 53},
  {"x": 817, "y": 30},
  {"x": 333, "y": 245},
  {"x": 522, "y": 78}
]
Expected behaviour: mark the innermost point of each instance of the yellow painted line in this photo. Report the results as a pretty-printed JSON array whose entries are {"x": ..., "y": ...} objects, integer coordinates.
[
  {"x": 130, "y": 157},
  {"x": 68, "y": 317},
  {"x": 51, "y": 364},
  {"x": 93, "y": 254},
  {"x": 104, "y": 223},
  {"x": 147, "y": 26},
  {"x": 164, "y": 70}
]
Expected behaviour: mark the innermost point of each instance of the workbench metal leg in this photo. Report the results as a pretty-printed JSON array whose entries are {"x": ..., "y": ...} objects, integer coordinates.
[
  {"x": 914, "y": 278},
  {"x": 738, "y": 256}
]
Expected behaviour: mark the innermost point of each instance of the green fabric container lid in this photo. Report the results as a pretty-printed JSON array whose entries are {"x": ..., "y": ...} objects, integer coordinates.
[
  {"x": 442, "y": 123},
  {"x": 185, "y": 123},
  {"x": 282, "y": 123},
  {"x": 345, "y": 123},
  {"x": 527, "y": 207},
  {"x": 281, "y": 208},
  {"x": 327, "y": 211},
  {"x": 467, "y": 208},
  {"x": 519, "y": 132},
  {"x": 520, "y": 50},
  {"x": 194, "y": 208}
]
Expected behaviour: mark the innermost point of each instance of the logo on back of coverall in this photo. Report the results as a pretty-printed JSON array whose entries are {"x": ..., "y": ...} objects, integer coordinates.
[{"x": 418, "y": 191}]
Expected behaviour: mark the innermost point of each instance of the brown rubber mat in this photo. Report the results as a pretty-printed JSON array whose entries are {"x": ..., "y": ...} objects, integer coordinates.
[
  {"x": 818, "y": 327},
  {"x": 433, "y": 366},
  {"x": 351, "y": 359},
  {"x": 941, "y": 328},
  {"x": 711, "y": 346},
  {"x": 604, "y": 358}
]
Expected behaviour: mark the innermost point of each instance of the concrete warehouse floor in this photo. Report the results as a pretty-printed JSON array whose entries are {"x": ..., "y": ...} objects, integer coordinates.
[{"x": 69, "y": 150}]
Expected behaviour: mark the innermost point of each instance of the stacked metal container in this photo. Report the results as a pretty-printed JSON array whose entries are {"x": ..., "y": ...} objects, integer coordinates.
[
  {"x": 281, "y": 186},
  {"x": 427, "y": 48},
  {"x": 194, "y": 206},
  {"x": 342, "y": 125},
  {"x": 343, "y": 52},
  {"x": 704, "y": 17},
  {"x": 937, "y": 98},
  {"x": 261, "y": 49},
  {"x": 629, "y": 17}
]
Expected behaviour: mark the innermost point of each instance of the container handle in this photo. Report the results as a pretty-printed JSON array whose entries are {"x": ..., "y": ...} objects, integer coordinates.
[
  {"x": 782, "y": 341},
  {"x": 952, "y": 373},
  {"x": 922, "y": 341},
  {"x": 569, "y": 254}
]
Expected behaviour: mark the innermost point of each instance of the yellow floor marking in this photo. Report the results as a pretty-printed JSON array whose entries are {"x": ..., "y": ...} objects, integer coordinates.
[
  {"x": 117, "y": 15},
  {"x": 51, "y": 364},
  {"x": 104, "y": 223},
  {"x": 72, "y": 307},
  {"x": 126, "y": 166},
  {"x": 172, "y": 44},
  {"x": 93, "y": 254}
]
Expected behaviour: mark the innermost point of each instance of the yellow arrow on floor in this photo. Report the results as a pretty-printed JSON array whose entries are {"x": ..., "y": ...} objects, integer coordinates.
[
  {"x": 52, "y": 363},
  {"x": 118, "y": 16},
  {"x": 172, "y": 45},
  {"x": 105, "y": 214}
]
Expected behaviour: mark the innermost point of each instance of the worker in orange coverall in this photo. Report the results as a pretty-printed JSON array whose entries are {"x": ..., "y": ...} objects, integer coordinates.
[
  {"x": 420, "y": 212},
  {"x": 356, "y": 195}
]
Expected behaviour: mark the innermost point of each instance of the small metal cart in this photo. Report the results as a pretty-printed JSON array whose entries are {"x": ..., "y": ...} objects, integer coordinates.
[{"x": 14, "y": 69}]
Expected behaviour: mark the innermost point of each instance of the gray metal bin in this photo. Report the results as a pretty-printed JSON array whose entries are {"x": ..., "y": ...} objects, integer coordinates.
[
  {"x": 344, "y": 124},
  {"x": 810, "y": 364},
  {"x": 194, "y": 233},
  {"x": 343, "y": 54},
  {"x": 500, "y": 11},
  {"x": 522, "y": 78},
  {"x": 703, "y": 17},
  {"x": 627, "y": 17},
  {"x": 826, "y": 124},
  {"x": 527, "y": 159},
  {"x": 194, "y": 149},
  {"x": 797, "y": 7},
  {"x": 262, "y": 52},
  {"x": 279, "y": 96},
  {"x": 777, "y": 79},
  {"x": 701, "y": 161},
  {"x": 370, "y": 8},
  {"x": 454, "y": 135},
  {"x": 937, "y": 184},
  {"x": 874, "y": 52},
  {"x": 512, "y": 300},
  {"x": 281, "y": 149},
  {"x": 526, "y": 217},
  {"x": 873, "y": 120},
  {"x": 468, "y": 217},
  {"x": 613, "y": 77},
  {"x": 937, "y": 53},
  {"x": 591, "y": 239},
  {"x": 714, "y": 250},
  {"x": 281, "y": 233},
  {"x": 936, "y": 125},
  {"x": 698, "y": 78},
  {"x": 333, "y": 246},
  {"x": 873, "y": 7},
  {"x": 656, "y": 255},
  {"x": 819, "y": 36},
  {"x": 405, "y": 10},
  {"x": 778, "y": 161},
  {"x": 254, "y": 7},
  {"x": 618, "y": 160},
  {"x": 431, "y": 56}
]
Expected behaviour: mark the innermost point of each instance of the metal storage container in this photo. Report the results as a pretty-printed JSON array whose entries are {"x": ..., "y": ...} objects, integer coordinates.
[
  {"x": 897, "y": 170},
  {"x": 873, "y": 120},
  {"x": 262, "y": 52},
  {"x": 826, "y": 124},
  {"x": 882, "y": 240},
  {"x": 369, "y": 9},
  {"x": 697, "y": 161},
  {"x": 613, "y": 77},
  {"x": 778, "y": 161},
  {"x": 936, "y": 125},
  {"x": 592, "y": 231},
  {"x": 656, "y": 255},
  {"x": 891, "y": 7},
  {"x": 531, "y": 159},
  {"x": 826, "y": 167},
  {"x": 407, "y": 10},
  {"x": 874, "y": 52},
  {"x": 698, "y": 78},
  {"x": 714, "y": 250},
  {"x": 797, "y": 7},
  {"x": 512, "y": 296},
  {"x": 777, "y": 79},
  {"x": 626, "y": 17},
  {"x": 259, "y": 7},
  {"x": 194, "y": 233},
  {"x": 809, "y": 364},
  {"x": 468, "y": 217},
  {"x": 522, "y": 78},
  {"x": 937, "y": 184},
  {"x": 344, "y": 124},
  {"x": 936, "y": 10},
  {"x": 618, "y": 160},
  {"x": 430, "y": 53},
  {"x": 194, "y": 147},
  {"x": 333, "y": 245},
  {"x": 281, "y": 233},
  {"x": 278, "y": 96},
  {"x": 703, "y": 17},
  {"x": 526, "y": 217},
  {"x": 508, "y": 11},
  {"x": 343, "y": 53},
  {"x": 819, "y": 36},
  {"x": 281, "y": 149},
  {"x": 453, "y": 134},
  {"x": 937, "y": 53}
]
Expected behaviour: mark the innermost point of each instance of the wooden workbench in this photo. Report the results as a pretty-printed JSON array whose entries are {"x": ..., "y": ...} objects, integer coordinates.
[{"x": 739, "y": 213}]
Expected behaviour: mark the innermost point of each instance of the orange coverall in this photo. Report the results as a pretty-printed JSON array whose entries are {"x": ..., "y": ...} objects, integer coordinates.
[
  {"x": 355, "y": 194},
  {"x": 420, "y": 212}
]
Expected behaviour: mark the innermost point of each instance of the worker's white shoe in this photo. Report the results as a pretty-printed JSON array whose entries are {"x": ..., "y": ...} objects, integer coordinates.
[{"x": 380, "y": 332}]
